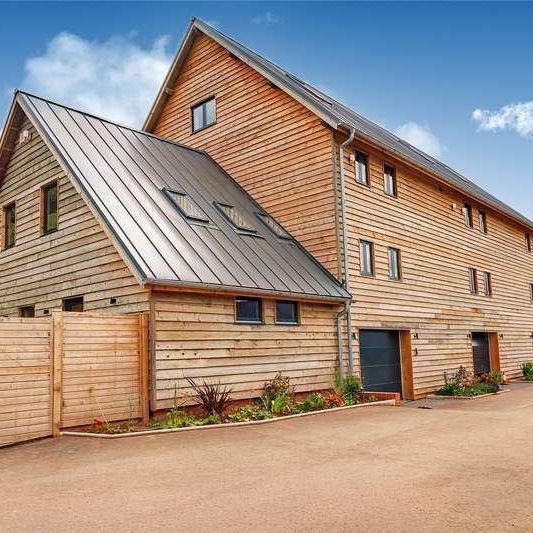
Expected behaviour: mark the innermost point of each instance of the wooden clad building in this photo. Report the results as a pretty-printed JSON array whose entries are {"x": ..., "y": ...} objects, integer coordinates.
[{"x": 441, "y": 272}]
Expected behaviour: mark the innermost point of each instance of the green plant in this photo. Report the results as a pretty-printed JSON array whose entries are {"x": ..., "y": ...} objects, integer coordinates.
[
  {"x": 177, "y": 419},
  {"x": 527, "y": 370},
  {"x": 313, "y": 402},
  {"x": 349, "y": 388},
  {"x": 214, "y": 398},
  {"x": 463, "y": 383},
  {"x": 333, "y": 399},
  {"x": 276, "y": 395},
  {"x": 250, "y": 412}
]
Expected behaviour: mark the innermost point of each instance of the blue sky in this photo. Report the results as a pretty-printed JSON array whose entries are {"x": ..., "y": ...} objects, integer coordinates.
[{"x": 420, "y": 69}]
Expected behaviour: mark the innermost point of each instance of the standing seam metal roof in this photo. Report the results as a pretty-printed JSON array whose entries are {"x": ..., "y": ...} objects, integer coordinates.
[{"x": 123, "y": 173}]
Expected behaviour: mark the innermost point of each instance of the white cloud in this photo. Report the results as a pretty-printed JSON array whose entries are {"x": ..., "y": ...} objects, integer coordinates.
[
  {"x": 421, "y": 137},
  {"x": 518, "y": 117},
  {"x": 117, "y": 78},
  {"x": 267, "y": 19}
]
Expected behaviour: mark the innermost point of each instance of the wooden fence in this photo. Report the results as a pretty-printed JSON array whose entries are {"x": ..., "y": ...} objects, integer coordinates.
[{"x": 69, "y": 368}]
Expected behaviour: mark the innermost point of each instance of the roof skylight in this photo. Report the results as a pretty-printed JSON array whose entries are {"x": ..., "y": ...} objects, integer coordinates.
[
  {"x": 186, "y": 206},
  {"x": 274, "y": 226},
  {"x": 235, "y": 217}
]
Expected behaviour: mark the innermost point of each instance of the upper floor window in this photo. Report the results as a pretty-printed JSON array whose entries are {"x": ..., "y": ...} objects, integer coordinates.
[
  {"x": 203, "y": 114},
  {"x": 467, "y": 216},
  {"x": 49, "y": 207},
  {"x": 361, "y": 168},
  {"x": 394, "y": 264},
  {"x": 74, "y": 304},
  {"x": 483, "y": 222},
  {"x": 390, "y": 180},
  {"x": 472, "y": 280},
  {"x": 186, "y": 206},
  {"x": 528, "y": 242},
  {"x": 28, "y": 311},
  {"x": 248, "y": 310},
  {"x": 9, "y": 225},
  {"x": 487, "y": 283},
  {"x": 366, "y": 256},
  {"x": 286, "y": 312}
]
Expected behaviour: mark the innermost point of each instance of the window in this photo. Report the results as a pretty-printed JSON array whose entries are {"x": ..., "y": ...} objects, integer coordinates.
[
  {"x": 467, "y": 216},
  {"x": 203, "y": 115},
  {"x": 276, "y": 228},
  {"x": 366, "y": 256},
  {"x": 472, "y": 280},
  {"x": 390, "y": 180},
  {"x": 235, "y": 217},
  {"x": 49, "y": 207},
  {"x": 9, "y": 225},
  {"x": 286, "y": 312},
  {"x": 73, "y": 304},
  {"x": 394, "y": 264},
  {"x": 361, "y": 168},
  {"x": 487, "y": 283},
  {"x": 528, "y": 242},
  {"x": 531, "y": 291},
  {"x": 248, "y": 310},
  {"x": 483, "y": 222},
  {"x": 28, "y": 311},
  {"x": 186, "y": 206}
]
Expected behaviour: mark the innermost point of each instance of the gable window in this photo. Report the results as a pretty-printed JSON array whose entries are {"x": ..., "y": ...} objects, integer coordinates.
[
  {"x": 487, "y": 283},
  {"x": 28, "y": 311},
  {"x": 394, "y": 264},
  {"x": 483, "y": 222},
  {"x": 389, "y": 173},
  {"x": 186, "y": 206},
  {"x": 361, "y": 168},
  {"x": 366, "y": 257},
  {"x": 73, "y": 304},
  {"x": 467, "y": 216},
  {"x": 235, "y": 217},
  {"x": 248, "y": 310},
  {"x": 274, "y": 226},
  {"x": 528, "y": 242},
  {"x": 203, "y": 114},
  {"x": 49, "y": 207},
  {"x": 286, "y": 312},
  {"x": 472, "y": 280},
  {"x": 9, "y": 225}
]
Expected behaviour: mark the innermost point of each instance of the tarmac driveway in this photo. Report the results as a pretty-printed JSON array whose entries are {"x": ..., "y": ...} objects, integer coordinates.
[{"x": 462, "y": 466}]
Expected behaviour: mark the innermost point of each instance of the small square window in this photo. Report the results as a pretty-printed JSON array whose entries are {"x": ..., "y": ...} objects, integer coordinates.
[
  {"x": 361, "y": 168},
  {"x": 203, "y": 115},
  {"x": 238, "y": 220},
  {"x": 366, "y": 256},
  {"x": 286, "y": 312},
  {"x": 248, "y": 310},
  {"x": 390, "y": 180},
  {"x": 9, "y": 225},
  {"x": 483, "y": 222},
  {"x": 28, "y": 311},
  {"x": 467, "y": 216},
  {"x": 74, "y": 304},
  {"x": 487, "y": 283},
  {"x": 394, "y": 264},
  {"x": 49, "y": 207},
  {"x": 186, "y": 206},
  {"x": 472, "y": 280}
]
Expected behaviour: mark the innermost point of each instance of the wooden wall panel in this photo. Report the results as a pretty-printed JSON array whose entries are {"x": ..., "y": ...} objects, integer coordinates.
[
  {"x": 78, "y": 259},
  {"x": 196, "y": 336},
  {"x": 273, "y": 146},
  {"x": 25, "y": 379}
]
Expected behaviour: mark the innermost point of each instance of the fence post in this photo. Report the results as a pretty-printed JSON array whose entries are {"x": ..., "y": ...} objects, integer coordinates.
[
  {"x": 143, "y": 368},
  {"x": 57, "y": 371}
]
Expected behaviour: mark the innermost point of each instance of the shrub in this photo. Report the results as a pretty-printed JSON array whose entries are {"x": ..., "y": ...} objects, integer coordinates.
[
  {"x": 177, "y": 419},
  {"x": 250, "y": 412},
  {"x": 349, "y": 387},
  {"x": 527, "y": 370},
  {"x": 276, "y": 394},
  {"x": 214, "y": 398},
  {"x": 313, "y": 402},
  {"x": 464, "y": 383},
  {"x": 333, "y": 399}
]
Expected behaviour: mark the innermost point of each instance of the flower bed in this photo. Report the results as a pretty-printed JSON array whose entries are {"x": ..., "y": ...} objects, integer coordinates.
[{"x": 463, "y": 384}]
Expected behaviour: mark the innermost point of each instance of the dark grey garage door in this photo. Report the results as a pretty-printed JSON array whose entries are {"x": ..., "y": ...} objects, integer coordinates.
[{"x": 380, "y": 360}]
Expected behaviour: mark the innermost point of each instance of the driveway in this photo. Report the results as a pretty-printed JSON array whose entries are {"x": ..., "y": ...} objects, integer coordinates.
[{"x": 462, "y": 466}]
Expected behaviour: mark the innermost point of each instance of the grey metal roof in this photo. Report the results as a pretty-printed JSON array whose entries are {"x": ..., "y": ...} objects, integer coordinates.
[
  {"x": 123, "y": 174},
  {"x": 334, "y": 113}
]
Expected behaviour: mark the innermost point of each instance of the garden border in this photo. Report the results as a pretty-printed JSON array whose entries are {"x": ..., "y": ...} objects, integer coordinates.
[
  {"x": 443, "y": 397},
  {"x": 385, "y": 403}
]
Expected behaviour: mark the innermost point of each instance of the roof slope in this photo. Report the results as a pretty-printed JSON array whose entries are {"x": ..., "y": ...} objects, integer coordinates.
[
  {"x": 334, "y": 113},
  {"x": 123, "y": 174}
]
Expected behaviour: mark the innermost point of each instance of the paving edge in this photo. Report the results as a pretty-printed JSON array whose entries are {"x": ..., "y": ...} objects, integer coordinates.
[
  {"x": 227, "y": 425},
  {"x": 440, "y": 397}
]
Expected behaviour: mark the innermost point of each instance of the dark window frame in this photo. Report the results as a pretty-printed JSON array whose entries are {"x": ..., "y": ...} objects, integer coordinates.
[
  {"x": 487, "y": 283},
  {"x": 362, "y": 244},
  {"x": 483, "y": 227},
  {"x": 468, "y": 218},
  {"x": 472, "y": 281},
  {"x": 261, "y": 313},
  {"x": 398, "y": 253},
  {"x": 366, "y": 183},
  {"x": 44, "y": 207},
  {"x": 73, "y": 299},
  {"x": 202, "y": 104},
  {"x": 394, "y": 193},
  {"x": 296, "y": 321},
  {"x": 199, "y": 217},
  {"x": 7, "y": 243},
  {"x": 528, "y": 241},
  {"x": 531, "y": 292},
  {"x": 24, "y": 309}
]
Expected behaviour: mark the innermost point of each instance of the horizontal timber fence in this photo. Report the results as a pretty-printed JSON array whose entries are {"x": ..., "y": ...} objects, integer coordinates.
[{"x": 66, "y": 369}]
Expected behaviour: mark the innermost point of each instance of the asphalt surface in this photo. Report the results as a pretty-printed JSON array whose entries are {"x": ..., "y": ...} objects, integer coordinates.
[{"x": 459, "y": 466}]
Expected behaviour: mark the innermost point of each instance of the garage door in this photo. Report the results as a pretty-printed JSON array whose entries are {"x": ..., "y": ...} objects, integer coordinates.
[{"x": 380, "y": 360}]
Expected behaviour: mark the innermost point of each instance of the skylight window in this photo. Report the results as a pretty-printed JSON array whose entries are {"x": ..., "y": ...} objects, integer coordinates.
[
  {"x": 274, "y": 226},
  {"x": 235, "y": 217},
  {"x": 186, "y": 206}
]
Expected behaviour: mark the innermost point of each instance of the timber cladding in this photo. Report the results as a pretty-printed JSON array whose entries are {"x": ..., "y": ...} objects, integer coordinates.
[
  {"x": 196, "y": 336},
  {"x": 274, "y": 147}
]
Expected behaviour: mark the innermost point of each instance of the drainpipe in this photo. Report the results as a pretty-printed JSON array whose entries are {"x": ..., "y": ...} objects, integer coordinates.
[{"x": 346, "y": 280}]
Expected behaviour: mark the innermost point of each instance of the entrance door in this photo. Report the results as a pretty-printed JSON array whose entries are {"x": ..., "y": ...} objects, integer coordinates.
[
  {"x": 481, "y": 353},
  {"x": 381, "y": 368}
]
